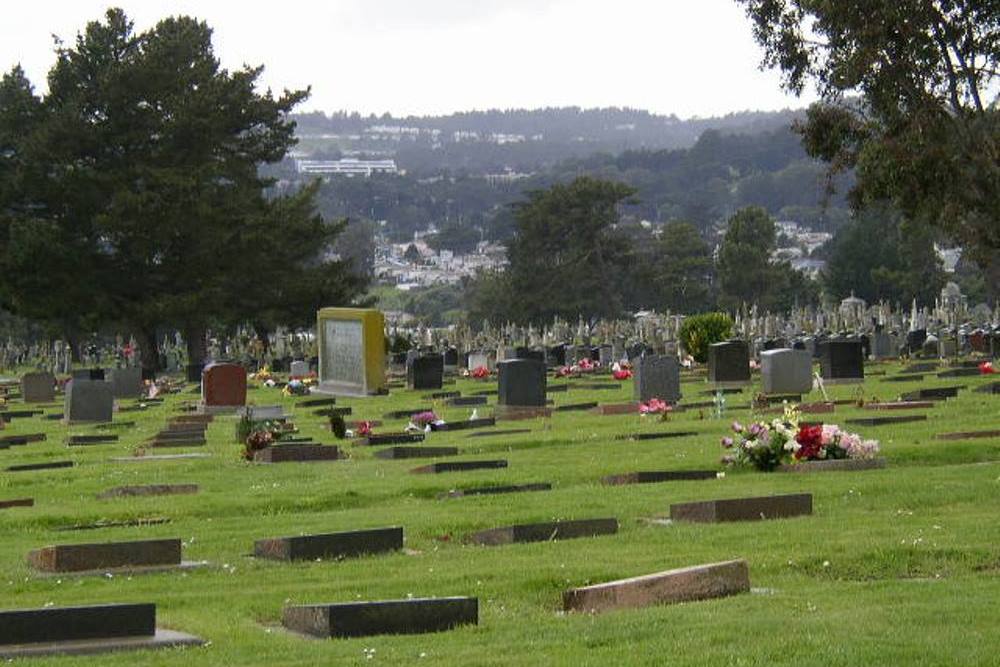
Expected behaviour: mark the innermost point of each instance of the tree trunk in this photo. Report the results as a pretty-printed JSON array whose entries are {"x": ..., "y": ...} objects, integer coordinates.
[
  {"x": 197, "y": 346},
  {"x": 149, "y": 348}
]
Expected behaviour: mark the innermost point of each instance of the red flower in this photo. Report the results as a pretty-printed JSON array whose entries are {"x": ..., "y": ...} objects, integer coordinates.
[
  {"x": 623, "y": 374},
  {"x": 986, "y": 368},
  {"x": 810, "y": 439}
]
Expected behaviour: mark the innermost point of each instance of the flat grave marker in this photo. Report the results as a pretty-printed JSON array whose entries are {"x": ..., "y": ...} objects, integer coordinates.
[
  {"x": 883, "y": 421},
  {"x": 968, "y": 435},
  {"x": 360, "y": 619},
  {"x": 331, "y": 545},
  {"x": 376, "y": 439},
  {"x": 466, "y": 424},
  {"x": 834, "y": 465},
  {"x": 47, "y": 465},
  {"x": 148, "y": 490},
  {"x": 85, "y": 630},
  {"x": 494, "y": 490},
  {"x": 79, "y": 558},
  {"x": 17, "y": 502},
  {"x": 743, "y": 509},
  {"x": 74, "y": 440},
  {"x": 415, "y": 452},
  {"x": 302, "y": 453},
  {"x": 501, "y": 431},
  {"x": 655, "y": 476},
  {"x": 545, "y": 532},
  {"x": 700, "y": 582},
  {"x": 459, "y": 466}
]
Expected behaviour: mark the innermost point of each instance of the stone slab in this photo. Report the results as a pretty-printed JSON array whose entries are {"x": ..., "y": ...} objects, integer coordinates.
[
  {"x": 654, "y": 476},
  {"x": 17, "y": 502},
  {"x": 149, "y": 490},
  {"x": 316, "y": 402},
  {"x": 933, "y": 393},
  {"x": 433, "y": 396},
  {"x": 48, "y": 465},
  {"x": 608, "y": 409},
  {"x": 656, "y": 436},
  {"x": 482, "y": 422},
  {"x": 545, "y": 532},
  {"x": 415, "y": 452},
  {"x": 160, "y": 457},
  {"x": 968, "y": 435},
  {"x": 700, "y": 582},
  {"x": 106, "y": 555},
  {"x": 905, "y": 378},
  {"x": 500, "y": 431},
  {"x": 359, "y": 619},
  {"x": 74, "y": 440},
  {"x": 463, "y": 401},
  {"x": 54, "y": 624},
  {"x": 959, "y": 373},
  {"x": 518, "y": 412},
  {"x": 377, "y": 439},
  {"x": 331, "y": 545},
  {"x": 573, "y": 407},
  {"x": 900, "y": 405},
  {"x": 342, "y": 411},
  {"x": 22, "y": 438},
  {"x": 494, "y": 490},
  {"x": 297, "y": 454},
  {"x": 405, "y": 414},
  {"x": 834, "y": 465},
  {"x": 161, "y": 639},
  {"x": 161, "y": 443},
  {"x": 459, "y": 466},
  {"x": 883, "y": 421},
  {"x": 743, "y": 509}
]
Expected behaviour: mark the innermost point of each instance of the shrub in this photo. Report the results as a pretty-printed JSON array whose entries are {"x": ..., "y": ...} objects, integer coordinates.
[{"x": 699, "y": 331}]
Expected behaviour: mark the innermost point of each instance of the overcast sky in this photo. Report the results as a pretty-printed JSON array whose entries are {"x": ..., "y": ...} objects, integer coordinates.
[{"x": 688, "y": 57}]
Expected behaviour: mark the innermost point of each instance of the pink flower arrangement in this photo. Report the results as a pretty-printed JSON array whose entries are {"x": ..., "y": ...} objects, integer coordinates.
[
  {"x": 480, "y": 372},
  {"x": 655, "y": 406},
  {"x": 986, "y": 368},
  {"x": 424, "y": 418},
  {"x": 364, "y": 429},
  {"x": 586, "y": 365},
  {"x": 621, "y": 374},
  {"x": 564, "y": 371}
]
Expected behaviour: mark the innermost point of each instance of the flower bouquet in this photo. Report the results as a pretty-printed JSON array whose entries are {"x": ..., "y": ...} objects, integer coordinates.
[
  {"x": 986, "y": 368},
  {"x": 765, "y": 445},
  {"x": 256, "y": 441},
  {"x": 655, "y": 406},
  {"x": 621, "y": 374},
  {"x": 479, "y": 373},
  {"x": 296, "y": 388}
]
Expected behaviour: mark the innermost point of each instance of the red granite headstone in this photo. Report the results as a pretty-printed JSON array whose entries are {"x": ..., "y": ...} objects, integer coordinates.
[{"x": 224, "y": 385}]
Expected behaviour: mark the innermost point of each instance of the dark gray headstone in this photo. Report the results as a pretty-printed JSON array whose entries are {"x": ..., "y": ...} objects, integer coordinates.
[
  {"x": 521, "y": 382},
  {"x": 126, "y": 382},
  {"x": 425, "y": 372},
  {"x": 729, "y": 363},
  {"x": 657, "y": 377},
  {"x": 359, "y": 619},
  {"x": 38, "y": 387},
  {"x": 331, "y": 545},
  {"x": 842, "y": 360},
  {"x": 88, "y": 401}
]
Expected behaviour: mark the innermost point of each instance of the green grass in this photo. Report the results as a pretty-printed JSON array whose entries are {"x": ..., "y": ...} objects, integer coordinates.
[{"x": 896, "y": 566}]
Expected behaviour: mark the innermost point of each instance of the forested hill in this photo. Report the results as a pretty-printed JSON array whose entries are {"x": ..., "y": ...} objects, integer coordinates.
[{"x": 520, "y": 140}]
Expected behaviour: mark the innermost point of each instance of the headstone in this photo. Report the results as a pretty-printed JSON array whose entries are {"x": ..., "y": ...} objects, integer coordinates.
[
  {"x": 555, "y": 356},
  {"x": 480, "y": 360},
  {"x": 743, "y": 509},
  {"x": 882, "y": 346},
  {"x": 785, "y": 371},
  {"x": 352, "y": 351},
  {"x": 46, "y": 465},
  {"x": 192, "y": 372},
  {"x": 106, "y": 555},
  {"x": 968, "y": 435},
  {"x": 297, "y": 454},
  {"x": 360, "y": 619},
  {"x": 882, "y": 421},
  {"x": 459, "y": 466},
  {"x": 521, "y": 383},
  {"x": 425, "y": 372},
  {"x": 834, "y": 465},
  {"x": 38, "y": 387},
  {"x": 842, "y": 361},
  {"x": 331, "y": 545},
  {"x": 223, "y": 387},
  {"x": 544, "y": 532},
  {"x": 915, "y": 340},
  {"x": 298, "y": 369},
  {"x": 415, "y": 452},
  {"x": 451, "y": 359},
  {"x": 655, "y": 476},
  {"x": 657, "y": 377},
  {"x": 528, "y": 353},
  {"x": 729, "y": 363},
  {"x": 494, "y": 490},
  {"x": 17, "y": 502},
  {"x": 126, "y": 382},
  {"x": 681, "y": 585},
  {"x": 148, "y": 490},
  {"x": 88, "y": 401}
]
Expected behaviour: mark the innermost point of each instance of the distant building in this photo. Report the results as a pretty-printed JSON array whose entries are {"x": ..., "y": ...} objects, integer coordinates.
[{"x": 347, "y": 167}]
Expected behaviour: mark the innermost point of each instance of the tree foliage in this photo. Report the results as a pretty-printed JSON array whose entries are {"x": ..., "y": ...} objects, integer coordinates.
[
  {"x": 135, "y": 180},
  {"x": 685, "y": 271},
  {"x": 909, "y": 94}
]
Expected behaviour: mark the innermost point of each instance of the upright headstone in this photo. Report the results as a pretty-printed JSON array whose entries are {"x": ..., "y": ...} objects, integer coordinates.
[
  {"x": 555, "y": 356},
  {"x": 298, "y": 369},
  {"x": 842, "y": 361},
  {"x": 521, "y": 383},
  {"x": 425, "y": 372},
  {"x": 223, "y": 387},
  {"x": 38, "y": 387},
  {"x": 352, "y": 351},
  {"x": 882, "y": 346},
  {"x": 729, "y": 363},
  {"x": 657, "y": 377},
  {"x": 528, "y": 353},
  {"x": 88, "y": 401},
  {"x": 786, "y": 371},
  {"x": 479, "y": 360},
  {"x": 126, "y": 382},
  {"x": 451, "y": 359},
  {"x": 193, "y": 372}
]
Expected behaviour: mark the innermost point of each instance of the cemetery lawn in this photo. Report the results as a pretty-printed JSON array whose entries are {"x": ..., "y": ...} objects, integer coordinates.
[{"x": 895, "y": 566}]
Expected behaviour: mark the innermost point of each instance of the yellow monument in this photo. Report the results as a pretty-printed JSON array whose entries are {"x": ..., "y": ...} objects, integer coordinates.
[{"x": 351, "y": 351}]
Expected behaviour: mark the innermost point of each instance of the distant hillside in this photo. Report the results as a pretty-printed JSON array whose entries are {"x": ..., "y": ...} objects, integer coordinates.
[{"x": 520, "y": 140}]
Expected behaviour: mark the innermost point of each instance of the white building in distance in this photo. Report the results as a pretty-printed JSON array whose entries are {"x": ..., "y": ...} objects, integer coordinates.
[{"x": 346, "y": 167}]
